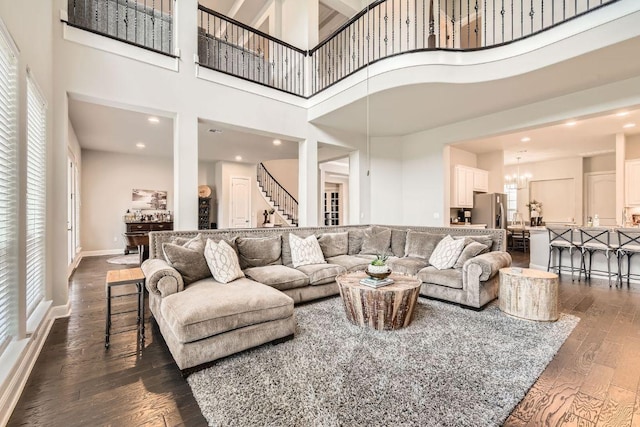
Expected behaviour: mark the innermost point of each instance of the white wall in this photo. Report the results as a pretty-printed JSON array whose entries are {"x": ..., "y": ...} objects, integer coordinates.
[
  {"x": 632, "y": 147},
  {"x": 386, "y": 181},
  {"x": 493, "y": 163},
  {"x": 552, "y": 170},
  {"x": 603, "y": 163},
  {"x": 107, "y": 181}
]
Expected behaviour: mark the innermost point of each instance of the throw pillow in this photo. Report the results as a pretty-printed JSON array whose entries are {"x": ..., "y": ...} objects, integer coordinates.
[
  {"x": 470, "y": 250},
  {"x": 334, "y": 244},
  {"x": 485, "y": 240},
  {"x": 259, "y": 251},
  {"x": 189, "y": 263},
  {"x": 222, "y": 261},
  {"x": 355, "y": 241},
  {"x": 305, "y": 251},
  {"x": 446, "y": 253},
  {"x": 398, "y": 242},
  {"x": 421, "y": 244},
  {"x": 374, "y": 243}
]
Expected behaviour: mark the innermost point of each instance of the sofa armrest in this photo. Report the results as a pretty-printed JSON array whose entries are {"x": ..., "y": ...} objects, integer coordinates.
[
  {"x": 161, "y": 278},
  {"x": 487, "y": 265}
]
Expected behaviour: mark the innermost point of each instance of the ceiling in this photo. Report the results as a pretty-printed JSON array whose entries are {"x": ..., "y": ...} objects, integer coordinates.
[{"x": 588, "y": 137}]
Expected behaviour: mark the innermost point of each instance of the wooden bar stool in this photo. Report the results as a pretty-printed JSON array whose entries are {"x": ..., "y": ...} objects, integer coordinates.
[{"x": 130, "y": 276}]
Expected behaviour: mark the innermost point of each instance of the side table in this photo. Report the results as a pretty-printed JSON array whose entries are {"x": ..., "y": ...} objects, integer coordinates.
[
  {"x": 529, "y": 294},
  {"x": 130, "y": 276}
]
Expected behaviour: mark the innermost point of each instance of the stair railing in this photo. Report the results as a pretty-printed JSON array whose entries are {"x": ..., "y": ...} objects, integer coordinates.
[{"x": 279, "y": 196}]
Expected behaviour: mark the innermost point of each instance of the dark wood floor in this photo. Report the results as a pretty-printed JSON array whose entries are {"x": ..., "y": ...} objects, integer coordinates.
[{"x": 592, "y": 381}]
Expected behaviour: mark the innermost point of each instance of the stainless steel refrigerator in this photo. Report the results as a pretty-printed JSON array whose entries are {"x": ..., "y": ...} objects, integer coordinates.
[{"x": 490, "y": 209}]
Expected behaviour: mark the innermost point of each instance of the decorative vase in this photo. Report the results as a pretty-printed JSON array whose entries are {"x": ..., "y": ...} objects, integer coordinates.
[{"x": 378, "y": 271}]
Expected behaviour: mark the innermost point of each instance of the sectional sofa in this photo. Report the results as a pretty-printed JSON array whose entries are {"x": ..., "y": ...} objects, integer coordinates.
[{"x": 203, "y": 320}]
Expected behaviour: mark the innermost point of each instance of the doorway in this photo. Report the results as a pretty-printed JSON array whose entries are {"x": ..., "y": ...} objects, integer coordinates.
[
  {"x": 240, "y": 202},
  {"x": 72, "y": 211}
]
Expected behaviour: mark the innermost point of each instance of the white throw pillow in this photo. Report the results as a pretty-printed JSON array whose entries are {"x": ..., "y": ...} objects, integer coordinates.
[
  {"x": 305, "y": 251},
  {"x": 446, "y": 253},
  {"x": 222, "y": 261}
]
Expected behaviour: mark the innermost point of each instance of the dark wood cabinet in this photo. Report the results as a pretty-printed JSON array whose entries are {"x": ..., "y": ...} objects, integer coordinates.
[
  {"x": 204, "y": 210},
  {"x": 144, "y": 228}
]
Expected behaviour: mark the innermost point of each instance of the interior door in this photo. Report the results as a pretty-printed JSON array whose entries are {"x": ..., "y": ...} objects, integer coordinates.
[
  {"x": 601, "y": 197},
  {"x": 71, "y": 211},
  {"x": 240, "y": 202}
]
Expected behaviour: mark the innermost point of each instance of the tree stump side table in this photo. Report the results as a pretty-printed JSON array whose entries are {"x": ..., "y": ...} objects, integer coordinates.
[
  {"x": 385, "y": 308},
  {"x": 529, "y": 294}
]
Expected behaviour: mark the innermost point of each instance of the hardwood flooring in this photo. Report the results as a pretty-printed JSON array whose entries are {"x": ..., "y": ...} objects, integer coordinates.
[{"x": 592, "y": 381}]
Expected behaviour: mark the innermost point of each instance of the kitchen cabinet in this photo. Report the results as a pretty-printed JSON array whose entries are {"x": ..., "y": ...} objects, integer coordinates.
[
  {"x": 632, "y": 182},
  {"x": 465, "y": 181}
]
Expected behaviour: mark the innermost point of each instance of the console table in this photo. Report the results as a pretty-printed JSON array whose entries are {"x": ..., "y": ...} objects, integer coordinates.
[{"x": 143, "y": 228}]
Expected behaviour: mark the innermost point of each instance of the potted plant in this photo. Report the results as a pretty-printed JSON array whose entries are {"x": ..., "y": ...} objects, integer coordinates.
[{"x": 378, "y": 267}]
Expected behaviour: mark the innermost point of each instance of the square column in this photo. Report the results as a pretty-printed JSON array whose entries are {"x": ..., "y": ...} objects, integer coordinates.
[
  {"x": 185, "y": 172},
  {"x": 359, "y": 188},
  {"x": 308, "y": 189}
]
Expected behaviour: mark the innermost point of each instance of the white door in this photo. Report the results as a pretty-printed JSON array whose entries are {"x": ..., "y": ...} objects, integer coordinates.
[
  {"x": 71, "y": 211},
  {"x": 240, "y": 202},
  {"x": 601, "y": 197}
]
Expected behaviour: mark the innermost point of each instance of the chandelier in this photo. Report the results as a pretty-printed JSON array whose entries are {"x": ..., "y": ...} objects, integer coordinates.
[{"x": 520, "y": 181}]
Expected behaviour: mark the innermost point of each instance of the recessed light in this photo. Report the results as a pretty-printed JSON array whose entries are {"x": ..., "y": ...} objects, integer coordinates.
[
  {"x": 153, "y": 120},
  {"x": 622, "y": 114},
  {"x": 140, "y": 145},
  {"x": 525, "y": 139},
  {"x": 277, "y": 142},
  {"x": 215, "y": 130},
  {"x": 238, "y": 158},
  {"x": 571, "y": 123},
  {"x": 629, "y": 125}
]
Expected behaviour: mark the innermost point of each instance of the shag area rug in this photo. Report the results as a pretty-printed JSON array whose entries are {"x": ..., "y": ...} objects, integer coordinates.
[
  {"x": 125, "y": 259},
  {"x": 450, "y": 367}
]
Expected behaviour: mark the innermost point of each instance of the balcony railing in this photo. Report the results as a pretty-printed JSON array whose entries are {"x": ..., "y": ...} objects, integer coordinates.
[
  {"x": 231, "y": 47},
  {"x": 391, "y": 27},
  {"x": 144, "y": 23}
]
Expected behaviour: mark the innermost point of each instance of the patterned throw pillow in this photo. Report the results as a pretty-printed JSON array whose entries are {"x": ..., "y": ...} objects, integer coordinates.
[
  {"x": 305, "y": 251},
  {"x": 223, "y": 261},
  {"x": 446, "y": 253}
]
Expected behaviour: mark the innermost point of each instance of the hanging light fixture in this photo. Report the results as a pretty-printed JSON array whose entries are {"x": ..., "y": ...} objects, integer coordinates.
[{"x": 521, "y": 181}]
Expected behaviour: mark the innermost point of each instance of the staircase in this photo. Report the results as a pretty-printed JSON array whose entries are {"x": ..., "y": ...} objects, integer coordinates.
[{"x": 277, "y": 197}]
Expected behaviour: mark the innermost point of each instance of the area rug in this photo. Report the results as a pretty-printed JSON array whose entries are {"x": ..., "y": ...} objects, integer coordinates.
[
  {"x": 450, "y": 367},
  {"x": 125, "y": 259}
]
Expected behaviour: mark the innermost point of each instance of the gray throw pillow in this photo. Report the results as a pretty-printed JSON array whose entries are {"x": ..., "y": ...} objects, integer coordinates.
[
  {"x": 376, "y": 243},
  {"x": 398, "y": 242},
  {"x": 190, "y": 263},
  {"x": 485, "y": 240},
  {"x": 259, "y": 251},
  {"x": 470, "y": 250},
  {"x": 421, "y": 244},
  {"x": 355, "y": 241},
  {"x": 334, "y": 244}
]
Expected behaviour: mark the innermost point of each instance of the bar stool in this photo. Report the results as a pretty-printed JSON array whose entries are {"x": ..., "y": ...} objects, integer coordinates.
[
  {"x": 595, "y": 240},
  {"x": 628, "y": 245},
  {"x": 561, "y": 238}
]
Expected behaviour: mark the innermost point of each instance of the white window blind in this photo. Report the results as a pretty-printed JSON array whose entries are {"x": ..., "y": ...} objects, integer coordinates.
[
  {"x": 8, "y": 189},
  {"x": 36, "y": 194}
]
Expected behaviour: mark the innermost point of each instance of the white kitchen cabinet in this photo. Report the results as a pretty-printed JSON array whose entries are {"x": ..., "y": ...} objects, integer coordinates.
[
  {"x": 465, "y": 181},
  {"x": 632, "y": 182},
  {"x": 480, "y": 180}
]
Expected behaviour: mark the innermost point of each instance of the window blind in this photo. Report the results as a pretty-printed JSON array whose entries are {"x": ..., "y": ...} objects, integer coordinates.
[
  {"x": 8, "y": 189},
  {"x": 36, "y": 195}
]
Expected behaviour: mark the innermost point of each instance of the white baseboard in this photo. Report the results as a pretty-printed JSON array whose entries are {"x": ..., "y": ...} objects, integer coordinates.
[
  {"x": 101, "y": 252},
  {"x": 25, "y": 354}
]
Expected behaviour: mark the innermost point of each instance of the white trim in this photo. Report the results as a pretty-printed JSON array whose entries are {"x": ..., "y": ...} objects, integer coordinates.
[
  {"x": 18, "y": 360},
  {"x": 38, "y": 316},
  {"x": 117, "y": 47},
  {"x": 101, "y": 252}
]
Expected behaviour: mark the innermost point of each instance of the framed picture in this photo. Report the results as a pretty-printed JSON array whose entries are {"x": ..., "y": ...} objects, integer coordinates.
[
  {"x": 635, "y": 219},
  {"x": 148, "y": 200}
]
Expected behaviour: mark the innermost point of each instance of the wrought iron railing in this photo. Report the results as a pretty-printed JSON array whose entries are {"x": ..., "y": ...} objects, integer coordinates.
[
  {"x": 144, "y": 23},
  {"x": 280, "y": 197},
  {"x": 391, "y": 27},
  {"x": 231, "y": 47}
]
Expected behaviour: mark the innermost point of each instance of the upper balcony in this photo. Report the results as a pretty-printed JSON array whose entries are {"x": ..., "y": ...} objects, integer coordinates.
[{"x": 384, "y": 29}]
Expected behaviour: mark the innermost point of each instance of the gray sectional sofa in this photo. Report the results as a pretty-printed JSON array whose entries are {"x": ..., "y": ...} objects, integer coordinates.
[{"x": 203, "y": 320}]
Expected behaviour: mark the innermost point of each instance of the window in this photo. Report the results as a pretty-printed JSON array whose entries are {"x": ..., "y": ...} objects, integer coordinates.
[
  {"x": 8, "y": 188},
  {"x": 511, "y": 190},
  {"x": 36, "y": 194}
]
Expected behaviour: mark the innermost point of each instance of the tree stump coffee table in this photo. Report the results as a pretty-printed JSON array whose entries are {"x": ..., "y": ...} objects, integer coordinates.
[
  {"x": 385, "y": 308},
  {"x": 529, "y": 294}
]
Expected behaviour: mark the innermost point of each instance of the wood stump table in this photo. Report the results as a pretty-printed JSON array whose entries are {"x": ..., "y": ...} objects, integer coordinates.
[
  {"x": 529, "y": 294},
  {"x": 385, "y": 308}
]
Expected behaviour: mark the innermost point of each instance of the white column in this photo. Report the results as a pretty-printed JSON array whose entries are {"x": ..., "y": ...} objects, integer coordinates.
[
  {"x": 185, "y": 172},
  {"x": 620, "y": 176},
  {"x": 308, "y": 183},
  {"x": 359, "y": 188}
]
